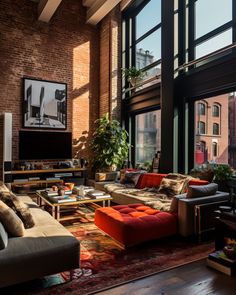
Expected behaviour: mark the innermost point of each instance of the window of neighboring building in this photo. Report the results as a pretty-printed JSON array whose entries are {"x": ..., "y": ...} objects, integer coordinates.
[
  {"x": 214, "y": 149},
  {"x": 147, "y": 136},
  {"x": 215, "y": 110},
  {"x": 216, "y": 129},
  {"x": 215, "y": 139},
  {"x": 201, "y": 127},
  {"x": 201, "y": 108}
]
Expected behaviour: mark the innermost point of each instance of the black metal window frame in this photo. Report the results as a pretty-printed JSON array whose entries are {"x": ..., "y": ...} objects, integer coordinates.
[
  {"x": 193, "y": 43},
  {"x": 130, "y": 37}
]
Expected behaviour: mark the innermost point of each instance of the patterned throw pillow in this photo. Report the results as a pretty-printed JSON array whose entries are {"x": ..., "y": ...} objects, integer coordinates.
[
  {"x": 11, "y": 222},
  {"x": 20, "y": 208},
  {"x": 174, "y": 184},
  {"x": 131, "y": 178}
]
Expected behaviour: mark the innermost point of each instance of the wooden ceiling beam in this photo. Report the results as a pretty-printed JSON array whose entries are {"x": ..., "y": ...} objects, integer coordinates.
[
  {"x": 46, "y": 9},
  {"x": 99, "y": 10},
  {"x": 124, "y": 4}
]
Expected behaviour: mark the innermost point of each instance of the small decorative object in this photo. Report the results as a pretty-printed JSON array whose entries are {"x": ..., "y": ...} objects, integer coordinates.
[
  {"x": 134, "y": 76},
  {"x": 230, "y": 251},
  {"x": 54, "y": 188},
  {"x": 70, "y": 185},
  {"x": 61, "y": 192},
  {"x": 44, "y": 104},
  {"x": 109, "y": 144}
]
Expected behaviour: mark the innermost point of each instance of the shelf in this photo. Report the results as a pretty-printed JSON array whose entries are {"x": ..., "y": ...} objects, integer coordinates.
[
  {"x": 35, "y": 182},
  {"x": 47, "y": 171}
]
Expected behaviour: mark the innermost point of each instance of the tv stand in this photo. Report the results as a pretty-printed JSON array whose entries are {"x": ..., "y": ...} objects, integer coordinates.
[{"x": 45, "y": 177}]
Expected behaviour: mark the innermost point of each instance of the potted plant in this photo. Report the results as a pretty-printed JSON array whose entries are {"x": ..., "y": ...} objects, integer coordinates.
[
  {"x": 109, "y": 145},
  {"x": 222, "y": 176},
  {"x": 133, "y": 75}
]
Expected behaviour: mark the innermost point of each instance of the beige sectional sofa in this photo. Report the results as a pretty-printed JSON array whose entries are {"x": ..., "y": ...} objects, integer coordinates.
[{"x": 46, "y": 248}]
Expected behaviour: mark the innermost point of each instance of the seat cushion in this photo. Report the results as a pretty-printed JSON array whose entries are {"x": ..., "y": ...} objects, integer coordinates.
[{"x": 135, "y": 223}]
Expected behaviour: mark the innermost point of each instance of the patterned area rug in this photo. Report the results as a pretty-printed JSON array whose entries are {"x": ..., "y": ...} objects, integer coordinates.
[{"x": 104, "y": 263}]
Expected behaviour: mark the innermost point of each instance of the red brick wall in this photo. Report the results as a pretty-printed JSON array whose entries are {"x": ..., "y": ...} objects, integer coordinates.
[
  {"x": 64, "y": 50},
  {"x": 110, "y": 63}
]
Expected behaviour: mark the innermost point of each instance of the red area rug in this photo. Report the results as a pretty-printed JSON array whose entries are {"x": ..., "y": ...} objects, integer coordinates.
[{"x": 105, "y": 264}]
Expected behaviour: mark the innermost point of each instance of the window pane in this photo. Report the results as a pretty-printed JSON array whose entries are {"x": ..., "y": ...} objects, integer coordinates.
[
  {"x": 147, "y": 136},
  {"x": 211, "y": 14},
  {"x": 218, "y": 143},
  {"x": 150, "y": 74},
  {"x": 214, "y": 43},
  {"x": 148, "y": 50},
  {"x": 148, "y": 17}
]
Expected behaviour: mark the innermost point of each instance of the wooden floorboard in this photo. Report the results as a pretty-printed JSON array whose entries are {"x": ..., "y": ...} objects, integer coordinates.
[{"x": 191, "y": 279}]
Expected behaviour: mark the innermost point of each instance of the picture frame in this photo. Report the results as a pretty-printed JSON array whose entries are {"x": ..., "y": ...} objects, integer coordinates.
[{"x": 44, "y": 104}]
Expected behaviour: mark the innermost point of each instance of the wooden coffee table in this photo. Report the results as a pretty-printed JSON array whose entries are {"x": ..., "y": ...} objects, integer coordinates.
[{"x": 58, "y": 208}]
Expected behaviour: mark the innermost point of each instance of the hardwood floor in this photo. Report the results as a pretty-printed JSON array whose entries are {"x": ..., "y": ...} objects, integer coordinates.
[{"x": 191, "y": 279}]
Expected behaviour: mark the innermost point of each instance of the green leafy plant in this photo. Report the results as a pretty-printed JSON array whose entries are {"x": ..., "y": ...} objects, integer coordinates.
[
  {"x": 109, "y": 144},
  {"x": 133, "y": 75},
  {"x": 222, "y": 172}
]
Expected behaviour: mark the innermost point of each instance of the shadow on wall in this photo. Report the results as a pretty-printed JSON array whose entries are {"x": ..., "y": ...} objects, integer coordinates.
[{"x": 81, "y": 146}]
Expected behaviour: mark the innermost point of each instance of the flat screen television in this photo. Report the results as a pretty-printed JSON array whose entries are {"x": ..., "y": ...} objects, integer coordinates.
[{"x": 45, "y": 145}]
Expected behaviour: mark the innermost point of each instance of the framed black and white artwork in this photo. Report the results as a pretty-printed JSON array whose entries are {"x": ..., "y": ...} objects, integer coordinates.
[{"x": 45, "y": 104}]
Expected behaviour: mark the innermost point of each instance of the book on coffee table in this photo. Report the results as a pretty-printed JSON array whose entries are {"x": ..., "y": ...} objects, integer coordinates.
[{"x": 63, "y": 199}]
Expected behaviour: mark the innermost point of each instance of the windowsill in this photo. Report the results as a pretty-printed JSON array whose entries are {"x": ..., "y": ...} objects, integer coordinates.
[{"x": 142, "y": 91}]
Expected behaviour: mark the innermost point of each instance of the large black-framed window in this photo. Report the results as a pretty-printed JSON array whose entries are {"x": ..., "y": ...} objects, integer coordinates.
[
  {"x": 207, "y": 26},
  {"x": 141, "y": 46}
]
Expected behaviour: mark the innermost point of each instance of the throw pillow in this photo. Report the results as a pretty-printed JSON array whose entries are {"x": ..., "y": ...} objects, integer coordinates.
[
  {"x": 196, "y": 191},
  {"x": 11, "y": 222},
  {"x": 131, "y": 178},
  {"x": 3, "y": 237},
  {"x": 19, "y": 207},
  {"x": 174, "y": 184}
]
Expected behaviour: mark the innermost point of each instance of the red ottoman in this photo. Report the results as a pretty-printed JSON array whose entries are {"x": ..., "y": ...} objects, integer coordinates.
[{"x": 135, "y": 223}]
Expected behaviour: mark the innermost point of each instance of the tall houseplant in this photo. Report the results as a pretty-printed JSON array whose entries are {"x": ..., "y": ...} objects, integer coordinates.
[
  {"x": 109, "y": 144},
  {"x": 222, "y": 176}
]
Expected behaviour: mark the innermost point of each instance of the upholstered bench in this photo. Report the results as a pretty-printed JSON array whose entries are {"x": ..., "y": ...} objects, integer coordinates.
[{"x": 135, "y": 223}]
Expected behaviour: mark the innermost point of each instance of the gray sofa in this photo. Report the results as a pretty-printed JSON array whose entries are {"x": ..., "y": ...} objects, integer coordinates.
[
  {"x": 45, "y": 249},
  {"x": 182, "y": 206}
]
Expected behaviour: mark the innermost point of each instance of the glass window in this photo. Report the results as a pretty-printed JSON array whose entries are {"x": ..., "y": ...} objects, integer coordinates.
[
  {"x": 211, "y": 14},
  {"x": 149, "y": 17},
  {"x": 201, "y": 127},
  {"x": 201, "y": 109},
  {"x": 148, "y": 50},
  {"x": 218, "y": 143},
  {"x": 216, "y": 129},
  {"x": 147, "y": 136},
  {"x": 214, "y": 149},
  {"x": 217, "y": 42},
  {"x": 215, "y": 111}
]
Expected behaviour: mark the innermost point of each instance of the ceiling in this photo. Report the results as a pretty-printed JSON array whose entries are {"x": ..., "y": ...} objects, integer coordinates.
[{"x": 96, "y": 9}]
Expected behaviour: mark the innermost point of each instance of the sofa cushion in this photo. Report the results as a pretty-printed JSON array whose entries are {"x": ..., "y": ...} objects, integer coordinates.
[
  {"x": 131, "y": 177},
  {"x": 11, "y": 222},
  {"x": 3, "y": 237},
  {"x": 20, "y": 208},
  {"x": 150, "y": 180},
  {"x": 196, "y": 191},
  {"x": 174, "y": 184}
]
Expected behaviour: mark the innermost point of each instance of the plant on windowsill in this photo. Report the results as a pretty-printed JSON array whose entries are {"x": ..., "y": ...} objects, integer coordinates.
[
  {"x": 222, "y": 176},
  {"x": 109, "y": 145},
  {"x": 134, "y": 76}
]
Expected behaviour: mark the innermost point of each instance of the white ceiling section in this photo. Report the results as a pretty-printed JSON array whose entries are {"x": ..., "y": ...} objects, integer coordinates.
[{"x": 96, "y": 9}]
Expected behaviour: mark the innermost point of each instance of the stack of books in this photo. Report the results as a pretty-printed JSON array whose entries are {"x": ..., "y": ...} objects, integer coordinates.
[
  {"x": 219, "y": 261},
  {"x": 96, "y": 194},
  {"x": 63, "y": 199},
  {"x": 51, "y": 193}
]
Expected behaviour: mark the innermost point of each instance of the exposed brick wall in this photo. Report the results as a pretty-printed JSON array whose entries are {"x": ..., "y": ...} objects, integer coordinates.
[
  {"x": 64, "y": 50},
  {"x": 110, "y": 63}
]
